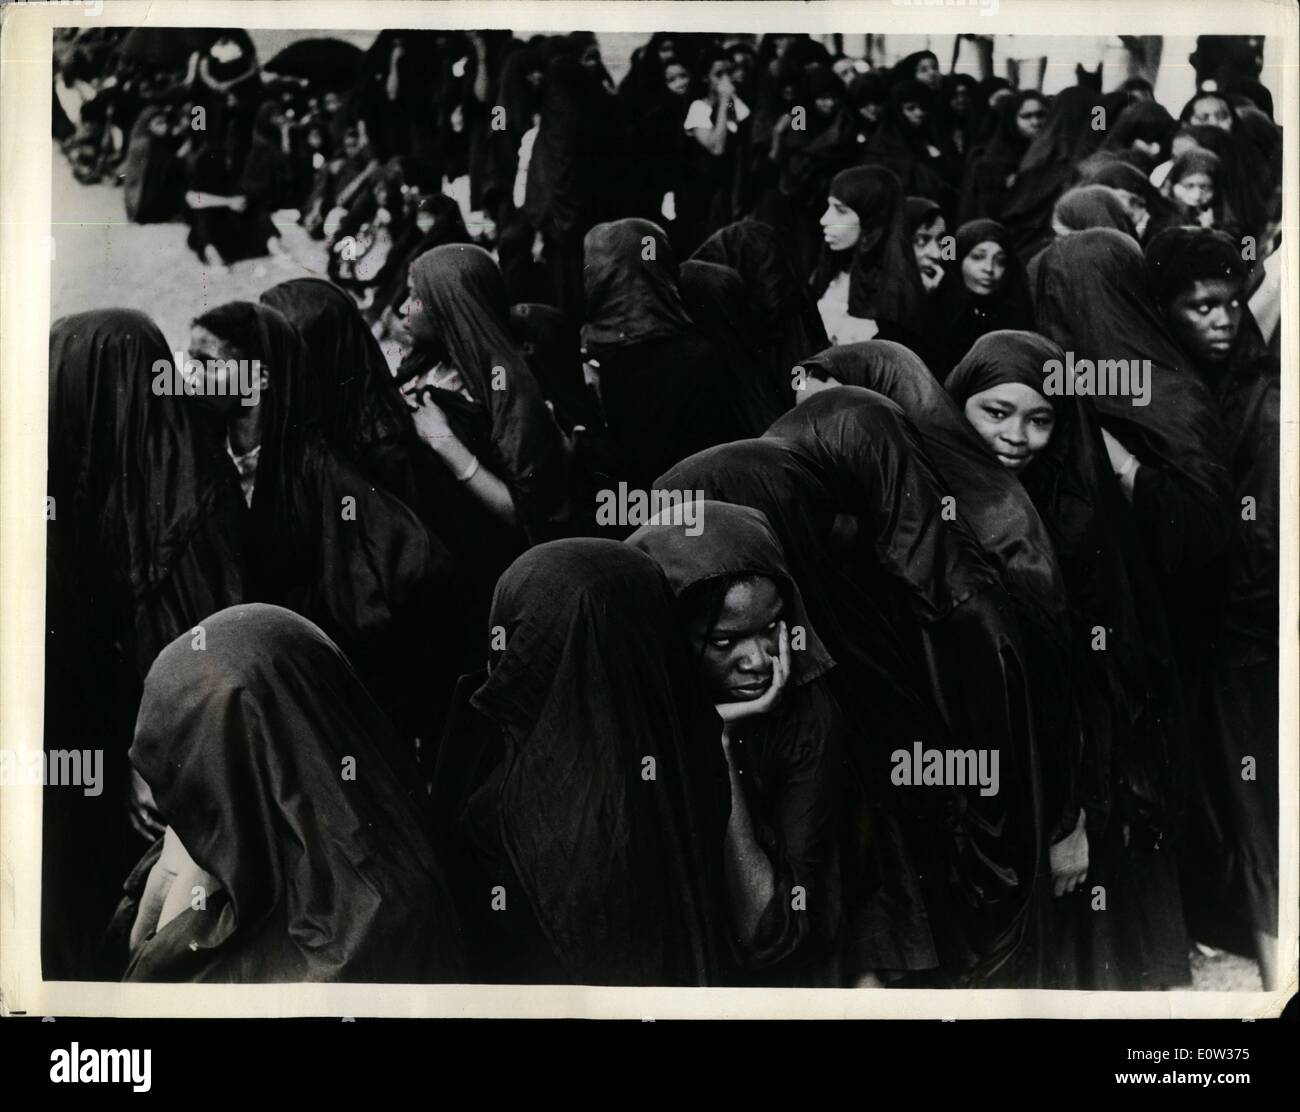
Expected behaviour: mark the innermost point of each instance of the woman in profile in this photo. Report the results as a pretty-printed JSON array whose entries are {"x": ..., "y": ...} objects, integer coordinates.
[
  {"x": 581, "y": 783},
  {"x": 320, "y": 866},
  {"x": 867, "y": 280}
]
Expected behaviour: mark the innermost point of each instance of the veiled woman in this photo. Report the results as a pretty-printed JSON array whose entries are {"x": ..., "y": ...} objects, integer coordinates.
[
  {"x": 665, "y": 387},
  {"x": 301, "y": 873},
  {"x": 581, "y": 782},
  {"x": 1170, "y": 455},
  {"x": 1127, "y": 771},
  {"x": 141, "y": 544},
  {"x": 782, "y": 732},
  {"x": 785, "y": 312}
]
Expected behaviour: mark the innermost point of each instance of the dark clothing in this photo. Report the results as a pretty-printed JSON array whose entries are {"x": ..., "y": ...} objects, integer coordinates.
[
  {"x": 242, "y": 744},
  {"x": 590, "y": 701}
]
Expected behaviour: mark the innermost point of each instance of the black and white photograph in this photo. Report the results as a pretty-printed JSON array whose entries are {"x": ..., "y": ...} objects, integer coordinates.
[{"x": 732, "y": 505}]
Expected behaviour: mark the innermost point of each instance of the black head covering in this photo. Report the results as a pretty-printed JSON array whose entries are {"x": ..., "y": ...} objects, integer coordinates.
[
  {"x": 735, "y": 541},
  {"x": 551, "y": 344},
  {"x": 884, "y": 283},
  {"x": 1144, "y": 119},
  {"x": 1092, "y": 206},
  {"x": 145, "y": 512},
  {"x": 323, "y": 877},
  {"x": 989, "y": 500},
  {"x": 595, "y": 678},
  {"x": 920, "y": 210},
  {"x": 358, "y": 399},
  {"x": 461, "y": 297},
  {"x": 630, "y": 297}
]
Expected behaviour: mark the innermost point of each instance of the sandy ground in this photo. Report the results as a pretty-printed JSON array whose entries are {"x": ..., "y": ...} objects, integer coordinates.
[{"x": 101, "y": 260}]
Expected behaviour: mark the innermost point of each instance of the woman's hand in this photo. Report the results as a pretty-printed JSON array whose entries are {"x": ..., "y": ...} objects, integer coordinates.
[
  {"x": 1123, "y": 462},
  {"x": 750, "y": 708},
  {"x": 430, "y": 420},
  {"x": 1069, "y": 859},
  {"x": 142, "y": 810}
]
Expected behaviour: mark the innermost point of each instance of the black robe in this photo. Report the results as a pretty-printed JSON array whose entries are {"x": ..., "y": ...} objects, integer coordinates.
[
  {"x": 542, "y": 782},
  {"x": 142, "y": 544},
  {"x": 324, "y": 876}
]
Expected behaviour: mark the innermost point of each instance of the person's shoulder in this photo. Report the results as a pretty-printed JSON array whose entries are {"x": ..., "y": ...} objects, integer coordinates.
[{"x": 698, "y": 115}]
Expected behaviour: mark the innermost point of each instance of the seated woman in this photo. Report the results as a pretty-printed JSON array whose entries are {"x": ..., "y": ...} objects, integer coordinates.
[
  {"x": 1122, "y": 780},
  {"x": 782, "y": 734},
  {"x": 303, "y": 873},
  {"x": 1195, "y": 183},
  {"x": 319, "y": 537},
  {"x": 664, "y": 385},
  {"x": 475, "y": 403},
  {"x": 868, "y": 279},
  {"x": 581, "y": 782}
]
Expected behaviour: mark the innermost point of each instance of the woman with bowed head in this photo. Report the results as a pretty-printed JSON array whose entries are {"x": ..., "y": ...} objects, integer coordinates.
[
  {"x": 580, "y": 784},
  {"x": 782, "y": 734},
  {"x": 305, "y": 874}
]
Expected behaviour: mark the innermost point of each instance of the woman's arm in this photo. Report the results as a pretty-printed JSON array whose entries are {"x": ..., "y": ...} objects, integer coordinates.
[
  {"x": 432, "y": 427},
  {"x": 750, "y": 878},
  {"x": 714, "y": 139}
]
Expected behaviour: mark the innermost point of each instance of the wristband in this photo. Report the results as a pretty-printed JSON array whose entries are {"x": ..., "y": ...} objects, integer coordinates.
[{"x": 470, "y": 471}]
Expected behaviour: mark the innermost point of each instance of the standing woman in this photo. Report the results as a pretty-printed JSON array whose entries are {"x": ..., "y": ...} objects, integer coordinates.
[
  {"x": 908, "y": 144},
  {"x": 142, "y": 543},
  {"x": 307, "y": 875},
  {"x": 581, "y": 784},
  {"x": 1169, "y": 456},
  {"x": 868, "y": 279},
  {"x": 666, "y": 389},
  {"x": 716, "y": 134},
  {"x": 782, "y": 735},
  {"x": 1074, "y": 129},
  {"x": 1124, "y": 776}
]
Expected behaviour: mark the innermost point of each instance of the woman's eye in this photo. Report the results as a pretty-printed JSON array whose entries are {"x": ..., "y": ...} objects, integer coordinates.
[
  {"x": 996, "y": 414},
  {"x": 720, "y": 642},
  {"x": 1043, "y": 422}
]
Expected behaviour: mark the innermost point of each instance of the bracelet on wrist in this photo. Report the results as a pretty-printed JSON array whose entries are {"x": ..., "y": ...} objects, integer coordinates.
[{"x": 470, "y": 471}]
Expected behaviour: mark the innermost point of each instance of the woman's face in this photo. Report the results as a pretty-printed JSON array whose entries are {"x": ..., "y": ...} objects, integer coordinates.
[
  {"x": 841, "y": 228},
  {"x": 666, "y": 49},
  {"x": 844, "y": 69},
  {"x": 826, "y": 106},
  {"x": 913, "y": 113},
  {"x": 929, "y": 252},
  {"x": 1211, "y": 111},
  {"x": 960, "y": 102},
  {"x": 217, "y": 361},
  {"x": 983, "y": 268},
  {"x": 1205, "y": 318},
  {"x": 718, "y": 72},
  {"x": 1014, "y": 420},
  {"x": 420, "y": 329},
  {"x": 677, "y": 79},
  {"x": 735, "y": 655},
  {"x": 871, "y": 111},
  {"x": 927, "y": 73},
  {"x": 1196, "y": 190},
  {"x": 1030, "y": 118}
]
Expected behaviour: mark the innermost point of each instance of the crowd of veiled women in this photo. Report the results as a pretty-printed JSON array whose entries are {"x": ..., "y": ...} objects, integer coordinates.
[{"x": 385, "y": 696}]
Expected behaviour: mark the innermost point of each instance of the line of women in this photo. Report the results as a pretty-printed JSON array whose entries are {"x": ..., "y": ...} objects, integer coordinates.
[{"x": 384, "y": 697}]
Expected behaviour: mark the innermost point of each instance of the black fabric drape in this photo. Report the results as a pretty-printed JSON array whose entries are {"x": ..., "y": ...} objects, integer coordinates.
[
  {"x": 141, "y": 544},
  {"x": 242, "y": 744},
  {"x": 604, "y": 797}
]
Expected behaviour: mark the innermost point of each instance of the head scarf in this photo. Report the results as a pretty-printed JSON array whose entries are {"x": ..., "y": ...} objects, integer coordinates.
[
  {"x": 323, "y": 878},
  {"x": 1144, "y": 119},
  {"x": 920, "y": 211},
  {"x": 146, "y": 513},
  {"x": 630, "y": 297},
  {"x": 736, "y": 541},
  {"x": 884, "y": 283},
  {"x": 358, "y": 399},
  {"x": 594, "y": 679},
  {"x": 550, "y": 342},
  {"x": 1092, "y": 206},
  {"x": 1104, "y": 270},
  {"x": 462, "y": 296}
]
